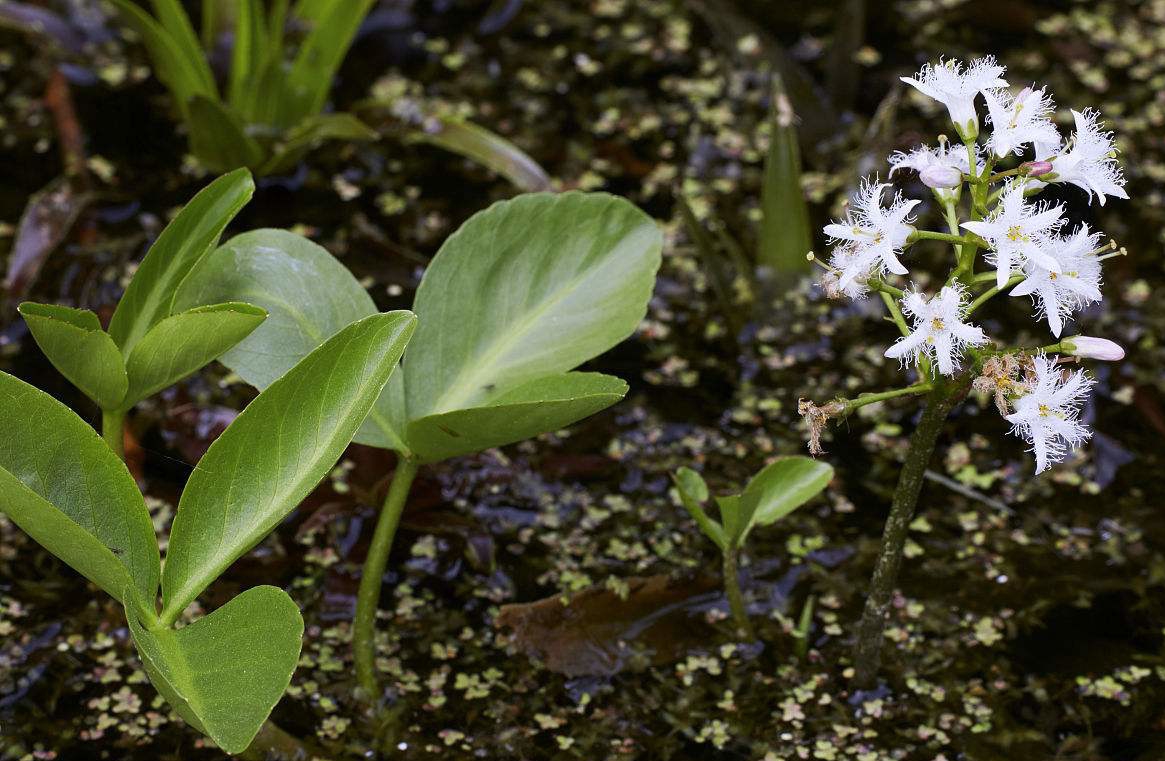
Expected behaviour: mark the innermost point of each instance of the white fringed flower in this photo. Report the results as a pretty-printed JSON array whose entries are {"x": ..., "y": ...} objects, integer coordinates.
[
  {"x": 871, "y": 237},
  {"x": 1019, "y": 232},
  {"x": 1020, "y": 120},
  {"x": 1076, "y": 284},
  {"x": 939, "y": 168},
  {"x": 1046, "y": 416},
  {"x": 1090, "y": 159},
  {"x": 939, "y": 329},
  {"x": 956, "y": 88}
]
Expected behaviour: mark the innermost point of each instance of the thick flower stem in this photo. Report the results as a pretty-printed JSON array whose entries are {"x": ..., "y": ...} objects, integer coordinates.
[
  {"x": 735, "y": 597},
  {"x": 113, "y": 431},
  {"x": 868, "y": 651},
  {"x": 368, "y": 596}
]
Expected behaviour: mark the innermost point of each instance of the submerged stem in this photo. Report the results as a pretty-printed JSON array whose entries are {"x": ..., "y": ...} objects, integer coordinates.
[
  {"x": 868, "y": 651},
  {"x": 735, "y": 597},
  {"x": 113, "y": 431},
  {"x": 368, "y": 596}
]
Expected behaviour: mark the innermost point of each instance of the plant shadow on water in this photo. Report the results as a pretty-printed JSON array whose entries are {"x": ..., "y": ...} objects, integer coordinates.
[{"x": 1031, "y": 632}]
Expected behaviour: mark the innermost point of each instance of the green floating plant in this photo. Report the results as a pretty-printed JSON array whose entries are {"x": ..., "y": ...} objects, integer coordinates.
[
  {"x": 522, "y": 294},
  {"x": 62, "y": 485},
  {"x": 777, "y": 490},
  {"x": 271, "y": 114},
  {"x": 151, "y": 344}
]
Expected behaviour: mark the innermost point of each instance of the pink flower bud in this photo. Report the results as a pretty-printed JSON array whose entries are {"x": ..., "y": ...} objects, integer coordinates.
[
  {"x": 1037, "y": 168},
  {"x": 939, "y": 176},
  {"x": 1094, "y": 348}
]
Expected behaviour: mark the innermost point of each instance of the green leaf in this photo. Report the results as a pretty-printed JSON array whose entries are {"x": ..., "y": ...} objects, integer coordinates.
[
  {"x": 249, "y": 54},
  {"x": 785, "y": 236},
  {"x": 64, "y": 486},
  {"x": 225, "y": 672},
  {"x": 779, "y": 489},
  {"x": 177, "y": 24},
  {"x": 189, "y": 237},
  {"x": 180, "y": 73},
  {"x": 179, "y": 345},
  {"x": 313, "y": 131},
  {"x": 74, "y": 342},
  {"x": 334, "y": 26},
  {"x": 219, "y": 138},
  {"x": 487, "y": 148},
  {"x": 530, "y": 287},
  {"x": 309, "y": 296},
  {"x": 541, "y": 405},
  {"x": 276, "y": 452},
  {"x": 693, "y": 493}
]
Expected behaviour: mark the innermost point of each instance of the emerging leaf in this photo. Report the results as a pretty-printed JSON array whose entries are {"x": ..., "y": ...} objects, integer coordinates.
[
  {"x": 225, "y": 672},
  {"x": 74, "y": 342},
  {"x": 276, "y": 452},
  {"x": 693, "y": 493}
]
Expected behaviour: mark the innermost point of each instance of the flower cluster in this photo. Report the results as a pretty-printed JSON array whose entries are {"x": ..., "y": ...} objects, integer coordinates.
[{"x": 1028, "y": 246}]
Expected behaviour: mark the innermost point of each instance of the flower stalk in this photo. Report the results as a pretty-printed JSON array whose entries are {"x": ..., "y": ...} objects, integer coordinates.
[
  {"x": 113, "y": 431},
  {"x": 868, "y": 650}
]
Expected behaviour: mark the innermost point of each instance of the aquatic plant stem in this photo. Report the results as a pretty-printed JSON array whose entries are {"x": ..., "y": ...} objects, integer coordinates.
[
  {"x": 113, "y": 431},
  {"x": 368, "y": 596},
  {"x": 732, "y": 590},
  {"x": 868, "y": 651}
]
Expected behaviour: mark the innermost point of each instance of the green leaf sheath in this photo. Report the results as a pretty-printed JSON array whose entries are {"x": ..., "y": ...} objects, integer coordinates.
[
  {"x": 218, "y": 136},
  {"x": 530, "y": 287},
  {"x": 63, "y": 486},
  {"x": 74, "y": 342},
  {"x": 181, "y": 344},
  {"x": 276, "y": 452},
  {"x": 225, "y": 672},
  {"x": 313, "y": 131},
  {"x": 308, "y": 295},
  {"x": 785, "y": 235},
  {"x": 778, "y": 489},
  {"x": 190, "y": 236},
  {"x": 543, "y": 404}
]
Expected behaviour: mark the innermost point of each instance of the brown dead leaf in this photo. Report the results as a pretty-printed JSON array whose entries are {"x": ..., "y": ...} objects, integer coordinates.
[{"x": 596, "y": 631}]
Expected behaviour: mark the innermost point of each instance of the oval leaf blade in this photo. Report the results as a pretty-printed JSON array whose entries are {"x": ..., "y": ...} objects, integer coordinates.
[
  {"x": 276, "y": 452},
  {"x": 76, "y": 479},
  {"x": 308, "y": 294},
  {"x": 529, "y": 287},
  {"x": 181, "y": 344},
  {"x": 149, "y": 296},
  {"x": 225, "y": 672},
  {"x": 540, "y": 406},
  {"x": 74, "y": 342},
  {"x": 780, "y": 488}
]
